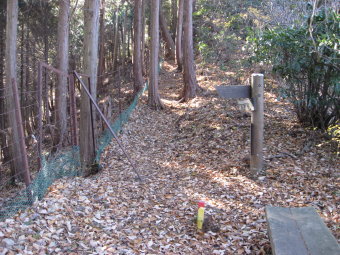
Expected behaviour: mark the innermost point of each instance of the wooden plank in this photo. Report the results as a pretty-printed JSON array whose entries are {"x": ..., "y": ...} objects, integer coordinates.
[
  {"x": 233, "y": 91},
  {"x": 316, "y": 235},
  {"x": 284, "y": 236},
  {"x": 297, "y": 231}
]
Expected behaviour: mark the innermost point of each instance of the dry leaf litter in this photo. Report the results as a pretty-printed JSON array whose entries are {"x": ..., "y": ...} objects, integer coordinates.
[{"x": 186, "y": 153}]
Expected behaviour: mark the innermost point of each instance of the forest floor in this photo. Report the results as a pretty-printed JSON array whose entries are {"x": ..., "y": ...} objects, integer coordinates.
[{"x": 186, "y": 153}]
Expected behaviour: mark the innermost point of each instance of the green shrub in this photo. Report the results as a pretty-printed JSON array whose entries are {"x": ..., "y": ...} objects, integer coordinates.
[{"x": 307, "y": 58}]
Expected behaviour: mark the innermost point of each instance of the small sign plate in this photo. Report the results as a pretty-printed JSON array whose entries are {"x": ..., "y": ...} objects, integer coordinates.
[{"x": 234, "y": 91}]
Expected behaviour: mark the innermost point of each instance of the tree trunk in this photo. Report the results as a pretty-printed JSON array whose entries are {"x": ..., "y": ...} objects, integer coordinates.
[
  {"x": 116, "y": 37},
  {"x": 173, "y": 18},
  {"x": 91, "y": 30},
  {"x": 128, "y": 43},
  {"x": 179, "y": 36},
  {"x": 189, "y": 75},
  {"x": 137, "y": 47},
  {"x": 101, "y": 62},
  {"x": 17, "y": 151},
  {"x": 27, "y": 98},
  {"x": 124, "y": 31},
  {"x": 46, "y": 98},
  {"x": 22, "y": 62},
  {"x": 3, "y": 137},
  {"x": 154, "y": 100},
  {"x": 62, "y": 63},
  {"x": 143, "y": 38},
  {"x": 169, "y": 43}
]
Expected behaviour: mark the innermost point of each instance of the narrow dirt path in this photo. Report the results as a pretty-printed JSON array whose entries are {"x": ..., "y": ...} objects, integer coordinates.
[{"x": 186, "y": 153}]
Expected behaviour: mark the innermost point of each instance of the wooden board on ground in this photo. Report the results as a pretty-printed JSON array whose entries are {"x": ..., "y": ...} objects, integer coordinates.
[{"x": 299, "y": 231}]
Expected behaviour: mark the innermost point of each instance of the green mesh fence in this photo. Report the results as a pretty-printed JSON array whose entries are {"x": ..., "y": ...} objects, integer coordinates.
[
  {"x": 63, "y": 164},
  {"x": 106, "y": 137}
]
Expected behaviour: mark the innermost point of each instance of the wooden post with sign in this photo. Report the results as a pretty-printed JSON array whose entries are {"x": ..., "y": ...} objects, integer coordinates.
[
  {"x": 257, "y": 124},
  {"x": 253, "y": 102}
]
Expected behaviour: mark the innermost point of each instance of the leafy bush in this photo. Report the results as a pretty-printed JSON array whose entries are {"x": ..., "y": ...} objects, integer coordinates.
[
  {"x": 307, "y": 58},
  {"x": 220, "y": 27}
]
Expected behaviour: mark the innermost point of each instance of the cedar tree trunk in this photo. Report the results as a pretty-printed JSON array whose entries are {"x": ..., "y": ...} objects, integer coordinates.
[
  {"x": 116, "y": 39},
  {"x": 189, "y": 75},
  {"x": 179, "y": 36},
  {"x": 154, "y": 100},
  {"x": 137, "y": 47},
  {"x": 101, "y": 62},
  {"x": 173, "y": 18},
  {"x": 169, "y": 43},
  {"x": 62, "y": 59},
  {"x": 11, "y": 75},
  {"x": 91, "y": 31}
]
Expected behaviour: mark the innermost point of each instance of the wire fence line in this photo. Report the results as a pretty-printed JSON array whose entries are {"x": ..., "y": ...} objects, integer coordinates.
[{"x": 48, "y": 160}]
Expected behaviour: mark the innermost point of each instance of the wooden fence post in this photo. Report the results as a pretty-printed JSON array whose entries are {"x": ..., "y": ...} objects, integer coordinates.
[
  {"x": 40, "y": 113},
  {"x": 73, "y": 111},
  {"x": 257, "y": 124}
]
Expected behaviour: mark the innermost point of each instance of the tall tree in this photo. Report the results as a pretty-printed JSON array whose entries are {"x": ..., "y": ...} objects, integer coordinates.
[
  {"x": 116, "y": 39},
  {"x": 11, "y": 75},
  {"x": 143, "y": 36},
  {"x": 137, "y": 46},
  {"x": 173, "y": 23},
  {"x": 90, "y": 58},
  {"x": 179, "y": 36},
  {"x": 154, "y": 99},
  {"x": 18, "y": 149},
  {"x": 62, "y": 62},
  {"x": 169, "y": 42},
  {"x": 101, "y": 62},
  {"x": 4, "y": 152},
  {"x": 189, "y": 75},
  {"x": 124, "y": 30}
]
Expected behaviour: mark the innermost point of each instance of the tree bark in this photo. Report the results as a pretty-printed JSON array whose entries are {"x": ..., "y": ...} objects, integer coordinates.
[
  {"x": 189, "y": 74},
  {"x": 179, "y": 36},
  {"x": 137, "y": 47},
  {"x": 124, "y": 31},
  {"x": 173, "y": 24},
  {"x": 62, "y": 63},
  {"x": 143, "y": 37},
  {"x": 22, "y": 62},
  {"x": 18, "y": 149},
  {"x": 91, "y": 30},
  {"x": 154, "y": 100},
  {"x": 27, "y": 98},
  {"x": 128, "y": 32},
  {"x": 169, "y": 42},
  {"x": 4, "y": 152},
  {"x": 116, "y": 39},
  {"x": 101, "y": 62}
]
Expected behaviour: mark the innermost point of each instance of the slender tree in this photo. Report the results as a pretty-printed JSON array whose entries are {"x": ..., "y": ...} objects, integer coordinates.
[
  {"x": 143, "y": 36},
  {"x": 116, "y": 39},
  {"x": 61, "y": 93},
  {"x": 189, "y": 76},
  {"x": 179, "y": 36},
  {"x": 169, "y": 42},
  {"x": 173, "y": 23},
  {"x": 101, "y": 62},
  {"x": 91, "y": 32},
  {"x": 4, "y": 152},
  {"x": 137, "y": 46},
  {"x": 18, "y": 149},
  {"x": 124, "y": 32},
  {"x": 154, "y": 99},
  {"x": 11, "y": 75}
]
